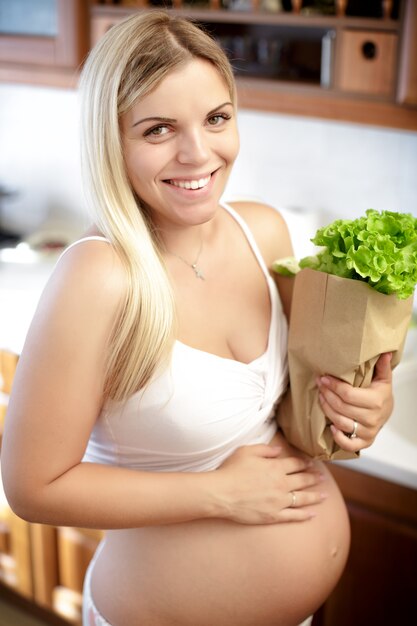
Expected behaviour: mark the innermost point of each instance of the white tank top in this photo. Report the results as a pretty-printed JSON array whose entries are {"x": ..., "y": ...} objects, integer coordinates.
[{"x": 201, "y": 408}]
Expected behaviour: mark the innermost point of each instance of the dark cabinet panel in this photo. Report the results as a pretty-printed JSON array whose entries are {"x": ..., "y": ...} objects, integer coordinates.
[{"x": 379, "y": 585}]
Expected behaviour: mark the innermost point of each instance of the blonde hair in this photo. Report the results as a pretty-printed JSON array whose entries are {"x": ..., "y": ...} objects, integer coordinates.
[{"x": 126, "y": 64}]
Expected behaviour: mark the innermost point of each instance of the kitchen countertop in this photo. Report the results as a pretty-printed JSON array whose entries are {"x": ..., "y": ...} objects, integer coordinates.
[
  {"x": 21, "y": 284},
  {"x": 393, "y": 456}
]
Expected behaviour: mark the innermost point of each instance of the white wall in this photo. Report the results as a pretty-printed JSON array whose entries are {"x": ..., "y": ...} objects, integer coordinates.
[
  {"x": 39, "y": 156},
  {"x": 314, "y": 170},
  {"x": 319, "y": 170}
]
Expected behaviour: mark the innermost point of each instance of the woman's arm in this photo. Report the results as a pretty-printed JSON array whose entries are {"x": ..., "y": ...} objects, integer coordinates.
[
  {"x": 56, "y": 398},
  {"x": 341, "y": 403}
]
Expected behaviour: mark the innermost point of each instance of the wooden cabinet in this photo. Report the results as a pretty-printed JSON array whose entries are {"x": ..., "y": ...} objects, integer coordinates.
[
  {"x": 76, "y": 547},
  {"x": 15, "y": 554},
  {"x": 368, "y": 62},
  {"x": 379, "y": 585},
  {"x": 43, "y": 42},
  {"x": 8, "y": 362},
  {"x": 343, "y": 67},
  {"x": 347, "y": 67},
  {"x": 45, "y": 565}
]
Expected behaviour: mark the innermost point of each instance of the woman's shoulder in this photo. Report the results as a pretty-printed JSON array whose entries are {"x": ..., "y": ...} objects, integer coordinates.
[
  {"x": 92, "y": 268},
  {"x": 267, "y": 226},
  {"x": 80, "y": 303}
]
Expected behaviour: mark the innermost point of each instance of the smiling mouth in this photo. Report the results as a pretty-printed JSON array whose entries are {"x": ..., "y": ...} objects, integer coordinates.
[{"x": 192, "y": 183}]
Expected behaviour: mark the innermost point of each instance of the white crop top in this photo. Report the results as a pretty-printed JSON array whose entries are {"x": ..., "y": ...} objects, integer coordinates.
[{"x": 202, "y": 407}]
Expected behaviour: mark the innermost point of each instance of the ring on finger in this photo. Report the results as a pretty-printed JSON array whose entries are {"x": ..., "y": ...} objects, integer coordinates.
[
  {"x": 353, "y": 434},
  {"x": 294, "y": 499}
]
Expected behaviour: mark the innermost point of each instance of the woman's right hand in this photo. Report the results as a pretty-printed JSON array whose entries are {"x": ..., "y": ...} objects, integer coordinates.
[{"x": 261, "y": 487}]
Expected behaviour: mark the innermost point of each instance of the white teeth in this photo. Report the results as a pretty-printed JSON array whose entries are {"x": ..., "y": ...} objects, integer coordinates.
[{"x": 191, "y": 184}]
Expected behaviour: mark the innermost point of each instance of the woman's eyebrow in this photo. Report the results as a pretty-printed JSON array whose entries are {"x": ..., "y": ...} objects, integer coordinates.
[
  {"x": 219, "y": 107},
  {"x": 162, "y": 120}
]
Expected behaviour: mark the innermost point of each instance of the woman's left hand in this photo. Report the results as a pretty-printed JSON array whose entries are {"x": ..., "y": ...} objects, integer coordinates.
[{"x": 358, "y": 413}]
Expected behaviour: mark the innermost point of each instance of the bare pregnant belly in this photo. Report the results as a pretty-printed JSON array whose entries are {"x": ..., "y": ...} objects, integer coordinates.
[{"x": 215, "y": 572}]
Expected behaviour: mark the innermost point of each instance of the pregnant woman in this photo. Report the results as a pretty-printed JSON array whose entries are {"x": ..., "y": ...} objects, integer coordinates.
[{"x": 145, "y": 395}]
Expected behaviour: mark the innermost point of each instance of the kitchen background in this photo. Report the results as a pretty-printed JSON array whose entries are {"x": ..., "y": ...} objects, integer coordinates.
[{"x": 314, "y": 170}]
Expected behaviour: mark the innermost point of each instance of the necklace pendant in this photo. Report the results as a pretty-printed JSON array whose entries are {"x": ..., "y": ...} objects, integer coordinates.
[{"x": 197, "y": 272}]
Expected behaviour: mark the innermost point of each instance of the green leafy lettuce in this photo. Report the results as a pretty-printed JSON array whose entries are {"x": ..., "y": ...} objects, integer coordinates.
[{"x": 378, "y": 248}]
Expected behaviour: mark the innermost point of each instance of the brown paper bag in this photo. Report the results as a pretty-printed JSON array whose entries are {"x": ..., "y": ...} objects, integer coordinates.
[{"x": 338, "y": 326}]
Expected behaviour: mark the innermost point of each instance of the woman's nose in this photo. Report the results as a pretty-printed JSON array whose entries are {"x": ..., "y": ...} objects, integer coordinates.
[{"x": 193, "y": 147}]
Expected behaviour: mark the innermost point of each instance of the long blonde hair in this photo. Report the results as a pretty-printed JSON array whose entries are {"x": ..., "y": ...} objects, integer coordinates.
[{"x": 126, "y": 64}]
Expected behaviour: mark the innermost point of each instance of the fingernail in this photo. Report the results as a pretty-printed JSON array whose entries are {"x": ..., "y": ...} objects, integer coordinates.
[
  {"x": 324, "y": 495},
  {"x": 325, "y": 380}
]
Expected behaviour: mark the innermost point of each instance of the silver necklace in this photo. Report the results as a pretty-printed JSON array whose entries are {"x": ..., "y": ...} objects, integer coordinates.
[{"x": 197, "y": 271}]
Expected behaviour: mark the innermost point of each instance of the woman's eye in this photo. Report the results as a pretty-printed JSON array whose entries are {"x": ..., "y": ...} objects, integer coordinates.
[
  {"x": 218, "y": 119},
  {"x": 157, "y": 131}
]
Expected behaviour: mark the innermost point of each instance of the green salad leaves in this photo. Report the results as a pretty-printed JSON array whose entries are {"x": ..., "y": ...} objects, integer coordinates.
[{"x": 379, "y": 248}]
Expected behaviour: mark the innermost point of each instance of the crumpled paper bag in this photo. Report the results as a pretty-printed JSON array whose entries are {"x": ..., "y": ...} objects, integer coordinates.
[{"x": 338, "y": 326}]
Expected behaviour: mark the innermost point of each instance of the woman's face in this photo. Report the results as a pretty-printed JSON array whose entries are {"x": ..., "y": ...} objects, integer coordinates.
[{"x": 180, "y": 142}]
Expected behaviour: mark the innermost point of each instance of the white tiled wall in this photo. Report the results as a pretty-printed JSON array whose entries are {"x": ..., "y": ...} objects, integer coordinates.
[{"x": 314, "y": 170}]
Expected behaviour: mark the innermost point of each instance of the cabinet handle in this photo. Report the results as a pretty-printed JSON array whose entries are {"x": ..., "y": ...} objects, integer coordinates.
[{"x": 369, "y": 50}]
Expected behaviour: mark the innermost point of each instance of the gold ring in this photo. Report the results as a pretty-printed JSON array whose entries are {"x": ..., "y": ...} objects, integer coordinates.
[{"x": 294, "y": 499}]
